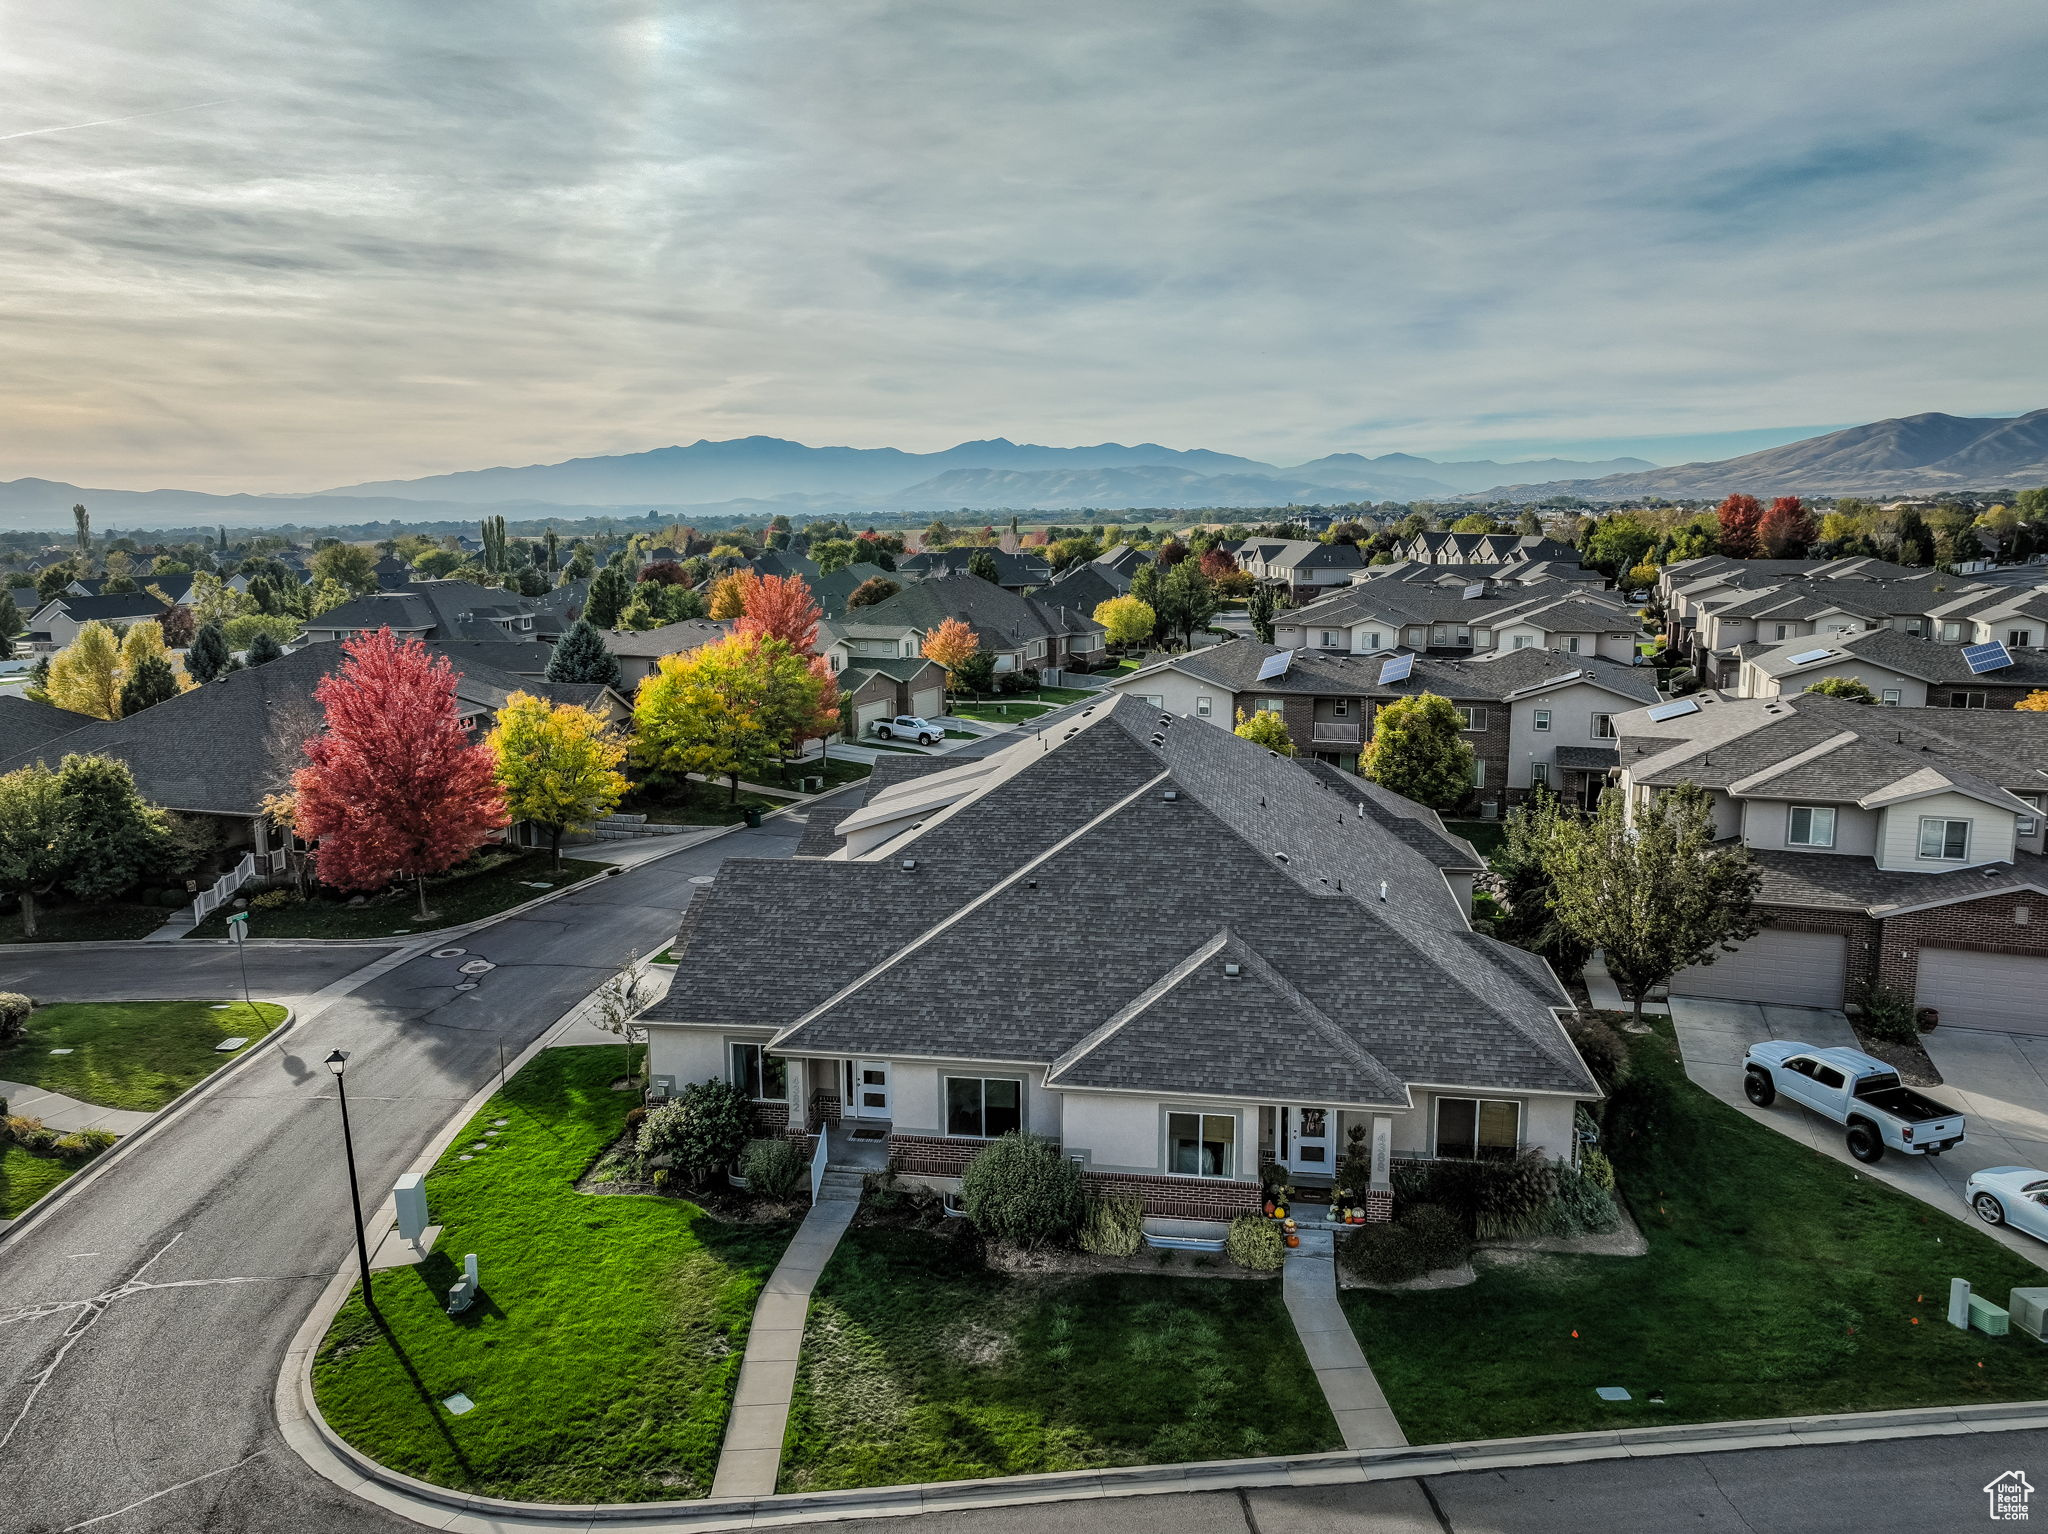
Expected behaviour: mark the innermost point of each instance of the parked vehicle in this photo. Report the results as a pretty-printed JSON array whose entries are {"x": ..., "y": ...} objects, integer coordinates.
[
  {"x": 2010, "y": 1195},
  {"x": 1856, "y": 1090},
  {"x": 910, "y": 727}
]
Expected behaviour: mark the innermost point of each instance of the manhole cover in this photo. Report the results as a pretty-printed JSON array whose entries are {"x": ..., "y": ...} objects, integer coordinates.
[
  {"x": 467, "y": 985},
  {"x": 478, "y": 967},
  {"x": 450, "y": 953}
]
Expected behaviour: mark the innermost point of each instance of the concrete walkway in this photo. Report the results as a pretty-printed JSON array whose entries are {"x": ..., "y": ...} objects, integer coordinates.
[
  {"x": 1606, "y": 995},
  {"x": 1714, "y": 1035},
  {"x": 752, "y": 1453},
  {"x": 67, "y": 1113},
  {"x": 1309, "y": 1286}
]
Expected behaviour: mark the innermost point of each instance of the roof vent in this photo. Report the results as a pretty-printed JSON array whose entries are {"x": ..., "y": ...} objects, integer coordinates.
[
  {"x": 1165, "y": 720},
  {"x": 1170, "y": 795},
  {"x": 909, "y": 865},
  {"x": 1232, "y": 969},
  {"x": 1280, "y": 857},
  {"x": 1031, "y": 884},
  {"x": 1383, "y": 890},
  {"x": 1158, "y": 739}
]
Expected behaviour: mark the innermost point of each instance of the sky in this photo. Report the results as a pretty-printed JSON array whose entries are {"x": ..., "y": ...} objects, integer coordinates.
[{"x": 273, "y": 245}]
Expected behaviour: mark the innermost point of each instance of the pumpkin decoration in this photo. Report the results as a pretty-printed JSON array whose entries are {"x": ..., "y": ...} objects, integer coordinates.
[{"x": 1293, "y": 1239}]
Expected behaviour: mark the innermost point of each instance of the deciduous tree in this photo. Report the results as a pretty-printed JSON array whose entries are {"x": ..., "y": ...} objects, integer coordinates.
[
  {"x": 949, "y": 644},
  {"x": 558, "y": 765},
  {"x": 1654, "y": 892},
  {"x": 729, "y": 594},
  {"x": 2034, "y": 702},
  {"x": 1126, "y": 620},
  {"x": 580, "y": 656},
  {"x": 780, "y": 607},
  {"x": 871, "y": 591},
  {"x": 1417, "y": 751},
  {"x": 85, "y": 676},
  {"x": 728, "y": 709},
  {"x": 1785, "y": 531},
  {"x": 1187, "y": 600},
  {"x": 393, "y": 787},
  {"x": 1845, "y": 687},
  {"x": 31, "y": 832},
  {"x": 1264, "y": 604},
  {"x": 111, "y": 839},
  {"x": 348, "y": 563},
  {"x": 1739, "y": 516},
  {"x": 1267, "y": 729}
]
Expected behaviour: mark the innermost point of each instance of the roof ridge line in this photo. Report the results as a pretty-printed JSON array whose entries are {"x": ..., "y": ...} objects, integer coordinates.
[
  {"x": 1317, "y": 1018},
  {"x": 1139, "y": 1003},
  {"x": 1812, "y": 753}
]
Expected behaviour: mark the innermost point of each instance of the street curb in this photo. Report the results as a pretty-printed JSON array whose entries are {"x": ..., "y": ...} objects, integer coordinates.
[{"x": 92, "y": 1172}]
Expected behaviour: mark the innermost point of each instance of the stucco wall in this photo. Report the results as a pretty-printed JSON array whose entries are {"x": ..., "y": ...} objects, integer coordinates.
[
  {"x": 1765, "y": 823},
  {"x": 1571, "y": 724},
  {"x": 687, "y": 1054}
]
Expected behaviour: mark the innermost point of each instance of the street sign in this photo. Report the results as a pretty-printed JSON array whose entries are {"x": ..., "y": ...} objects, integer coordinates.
[{"x": 238, "y": 926}]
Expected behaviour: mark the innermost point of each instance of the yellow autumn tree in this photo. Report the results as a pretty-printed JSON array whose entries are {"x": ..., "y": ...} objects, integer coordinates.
[
  {"x": 1265, "y": 728},
  {"x": 729, "y": 709},
  {"x": 2034, "y": 702},
  {"x": 951, "y": 644},
  {"x": 85, "y": 676},
  {"x": 145, "y": 642},
  {"x": 729, "y": 594},
  {"x": 1128, "y": 619},
  {"x": 558, "y": 765}
]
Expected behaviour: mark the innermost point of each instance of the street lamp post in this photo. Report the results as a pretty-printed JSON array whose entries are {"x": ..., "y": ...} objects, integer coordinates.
[{"x": 337, "y": 1062}]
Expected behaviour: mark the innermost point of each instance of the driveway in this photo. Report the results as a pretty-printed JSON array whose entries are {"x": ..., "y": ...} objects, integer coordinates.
[{"x": 2000, "y": 1081}]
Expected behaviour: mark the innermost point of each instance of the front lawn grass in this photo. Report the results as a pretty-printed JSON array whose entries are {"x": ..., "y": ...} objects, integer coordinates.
[
  {"x": 1487, "y": 836},
  {"x": 24, "y": 1178},
  {"x": 706, "y": 804},
  {"x": 1778, "y": 1283},
  {"x": 920, "y": 1364},
  {"x": 604, "y": 1347},
  {"x": 999, "y": 712},
  {"x": 111, "y": 922},
  {"x": 131, "y": 1054},
  {"x": 495, "y": 881},
  {"x": 834, "y": 771}
]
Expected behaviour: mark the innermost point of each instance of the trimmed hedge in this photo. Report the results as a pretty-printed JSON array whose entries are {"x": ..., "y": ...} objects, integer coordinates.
[
  {"x": 1020, "y": 1190},
  {"x": 1425, "y": 1239}
]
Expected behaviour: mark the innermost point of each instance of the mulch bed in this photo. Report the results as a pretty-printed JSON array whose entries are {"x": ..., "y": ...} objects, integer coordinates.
[{"x": 1909, "y": 1060}]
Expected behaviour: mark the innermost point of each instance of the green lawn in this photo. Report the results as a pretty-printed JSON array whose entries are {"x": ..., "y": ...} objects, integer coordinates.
[
  {"x": 834, "y": 771},
  {"x": 112, "y": 922},
  {"x": 1488, "y": 836},
  {"x": 919, "y": 1364},
  {"x": 131, "y": 1054},
  {"x": 706, "y": 804},
  {"x": 999, "y": 713},
  {"x": 452, "y": 899},
  {"x": 24, "y": 1178},
  {"x": 603, "y": 1351},
  {"x": 1778, "y": 1282}
]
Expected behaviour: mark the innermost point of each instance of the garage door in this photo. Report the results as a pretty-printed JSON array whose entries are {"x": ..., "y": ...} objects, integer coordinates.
[
  {"x": 2006, "y": 991},
  {"x": 928, "y": 702},
  {"x": 1791, "y": 969},
  {"x": 868, "y": 713}
]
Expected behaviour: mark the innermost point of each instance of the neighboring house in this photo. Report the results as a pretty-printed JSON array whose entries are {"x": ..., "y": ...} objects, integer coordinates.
[
  {"x": 1514, "y": 572},
  {"x": 1021, "y": 573},
  {"x": 1236, "y": 959},
  {"x": 1901, "y": 671},
  {"x": 878, "y": 687},
  {"x": 1371, "y": 616},
  {"x": 57, "y": 622},
  {"x": 1897, "y": 845},
  {"x": 1484, "y": 549},
  {"x": 1306, "y": 567},
  {"x": 435, "y": 610},
  {"x": 1085, "y": 587},
  {"x": 1534, "y": 718},
  {"x": 639, "y": 651},
  {"x": 768, "y": 562},
  {"x": 831, "y": 591},
  {"x": 218, "y": 750},
  {"x": 1020, "y": 632},
  {"x": 391, "y": 572},
  {"x": 1122, "y": 559}
]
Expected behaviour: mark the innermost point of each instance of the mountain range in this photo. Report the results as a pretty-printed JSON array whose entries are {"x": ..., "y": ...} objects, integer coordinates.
[{"x": 754, "y": 477}]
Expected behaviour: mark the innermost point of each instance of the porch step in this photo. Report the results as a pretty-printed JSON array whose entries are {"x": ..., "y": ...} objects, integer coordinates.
[{"x": 841, "y": 1184}]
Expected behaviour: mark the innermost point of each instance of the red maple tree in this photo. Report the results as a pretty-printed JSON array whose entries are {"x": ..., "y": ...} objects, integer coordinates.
[
  {"x": 393, "y": 788},
  {"x": 1739, "y": 516},
  {"x": 1786, "y": 530},
  {"x": 666, "y": 572},
  {"x": 780, "y": 607}
]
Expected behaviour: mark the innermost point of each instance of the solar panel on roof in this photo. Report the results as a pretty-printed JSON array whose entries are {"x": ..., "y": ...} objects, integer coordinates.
[
  {"x": 1981, "y": 658},
  {"x": 1678, "y": 710},
  {"x": 1399, "y": 669},
  {"x": 1275, "y": 665},
  {"x": 1809, "y": 657},
  {"x": 1477, "y": 590}
]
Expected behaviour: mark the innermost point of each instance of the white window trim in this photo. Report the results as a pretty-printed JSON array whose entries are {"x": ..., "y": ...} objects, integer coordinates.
[
  {"x": 946, "y": 1104},
  {"x": 1812, "y": 811},
  {"x": 1541, "y": 721},
  {"x": 1943, "y": 821},
  {"x": 1237, "y": 1141},
  {"x": 1603, "y": 727}
]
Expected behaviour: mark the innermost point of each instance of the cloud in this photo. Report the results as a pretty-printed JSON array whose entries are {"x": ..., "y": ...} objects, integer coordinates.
[{"x": 414, "y": 239}]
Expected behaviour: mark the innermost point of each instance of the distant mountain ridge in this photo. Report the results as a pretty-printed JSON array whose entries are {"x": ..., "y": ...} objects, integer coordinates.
[{"x": 1902, "y": 455}]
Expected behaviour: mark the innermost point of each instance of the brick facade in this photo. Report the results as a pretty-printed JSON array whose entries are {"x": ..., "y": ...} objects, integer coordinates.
[
  {"x": 932, "y": 1155},
  {"x": 1982, "y": 926},
  {"x": 824, "y": 1110},
  {"x": 1180, "y": 1198},
  {"x": 771, "y": 1120},
  {"x": 1943, "y": 694},
  {"x": 1861, "y": 931}
]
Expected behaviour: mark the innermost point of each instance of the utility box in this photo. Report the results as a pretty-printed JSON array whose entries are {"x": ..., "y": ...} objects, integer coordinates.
[
  {"x": 2029, "y": 1311},
  {"x": 1988, "y": 1318},
  {"x": 409, "y": 1193}
]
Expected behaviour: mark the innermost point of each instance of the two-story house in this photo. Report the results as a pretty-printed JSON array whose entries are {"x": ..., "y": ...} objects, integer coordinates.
[
  {"x": 1370, "y": 616},
  {"x": 1901, "y": 846},
  {"x": 1022, "y": 633},
  {"x": 1901, "y": 671},
  {"x": 1484, "y": 548},
  {"x": 1304, "y": 567}
]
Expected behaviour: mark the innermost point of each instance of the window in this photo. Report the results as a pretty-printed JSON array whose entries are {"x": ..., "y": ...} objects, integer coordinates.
[
  {"x": 762, "y": 1076},
  {"x": 1603, "y": 727},
  {"x": 1890, "y": 697},
  {"x": 1828, "y": 1076},
  {"x": 1468, "y": 1127},
  {"x": 1916, "y": 628},
  {"x": 1522, "y": 641},
  {"x": 1203, "y": 705},
  {"x": 1951, "y": 633},
  {"x": 1948, "y": 840},
  {"x": 1331, "y": 639},
  {"x": 2018, "y": 639},
  {"x": 1475, "y": 718},
  {"x": 1811, "y": 825},
  {"x": 1464, "y": 636},
  {"x": 1201, "y": 1144},
  {"x": 981, "y": 1108},
  {"x": 1340, "y": 708},
  {"x": 1571, "y": 644},
  {"x": 1266, "y": 706},
  {"x": 1369, "y": 640},
  {"x": 1037, "y": 649},
  {"x": 1966, "y": 700},
  {"x": 1781, "y": 630},
  {"x": 1543, "y": 719},
  {"x": 2027, "y": 825},
  {"x": 1539, "y": 774},
  {"x": 1479, "y": 774}
]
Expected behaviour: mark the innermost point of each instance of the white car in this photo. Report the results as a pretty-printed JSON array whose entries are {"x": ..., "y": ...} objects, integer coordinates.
[
  {"x": 2011, "y": 1195},
  {"x": 910, "y": 727}
]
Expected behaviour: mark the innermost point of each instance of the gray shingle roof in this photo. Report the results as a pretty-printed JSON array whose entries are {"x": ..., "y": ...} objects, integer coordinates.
[
  {"x": 1492, "y": 677},
  {"x": 1002, "y": 619},
  {"x": 648, "y": 644},
  {"x": 1922, "y": 658},
  {"x": 1858, "y": 884}
]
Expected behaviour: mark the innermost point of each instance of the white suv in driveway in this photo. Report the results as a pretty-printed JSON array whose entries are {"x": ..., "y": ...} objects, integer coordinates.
[{"x": 910, "y": 727}]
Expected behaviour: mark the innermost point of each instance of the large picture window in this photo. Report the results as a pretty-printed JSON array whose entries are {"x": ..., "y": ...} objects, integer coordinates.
[
  {"x": 1948, "y": 840},
  {"x": 1811, "y": 825},
  {"x": 1486, "y": 1128},
  {"x": 983, "y": 1107},
  {"x": 1201, "y": 1144},
  {"x": 762, "y": 1076}
]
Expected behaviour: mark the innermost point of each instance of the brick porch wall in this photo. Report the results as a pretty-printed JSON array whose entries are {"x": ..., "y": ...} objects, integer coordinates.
[
  {"x": 771, "y": 1120},
  {"x": 1982, "y": 926},
  {"x": 932, "y": 1155},
  {"x": 824, "y": 1109},
  {"x": 1180, "y": 1198}
]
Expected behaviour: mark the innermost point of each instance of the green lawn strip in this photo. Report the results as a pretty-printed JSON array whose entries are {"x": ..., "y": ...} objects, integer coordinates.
[
  {"x": 833, "y": 770},
  {"x": 1778, "y": 1283},
  {"x": 919, "y": 1364},
  {"x": 131, "y": 1054},
  {"x": 604, "y": 1349},
  {"x": 707, "y": 804},
  {"x": 1062, "y": 694},
  {"x": 453, "y": 899},
  {"x": 24, "y": 1178},
  {"x": 993, "y": 713},
  {"x": 1488, "y": 836},
  {"x": 666, "y": 956},
  {"x": 113, "y": 922}
]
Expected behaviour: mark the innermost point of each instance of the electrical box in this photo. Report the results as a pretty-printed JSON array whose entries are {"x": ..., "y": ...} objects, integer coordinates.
[
  {"x": 409, "y": 1193},
  {"x": 2029, "y": 1311},
  {"x": 1988, "y": 1318}
]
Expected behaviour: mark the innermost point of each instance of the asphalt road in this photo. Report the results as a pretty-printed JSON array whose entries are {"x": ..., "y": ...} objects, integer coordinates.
[{"x": 143, "y": 1323}]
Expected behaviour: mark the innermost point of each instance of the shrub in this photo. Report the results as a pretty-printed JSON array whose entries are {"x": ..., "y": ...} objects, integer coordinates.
[
  {"x": 1888, "y": 1014},
  {"x": 773, "y": 1168},
  {"x": 1491, "y": 1198},
  {"x": 277, "y": 900},
  {"x": 81, "y": 1144},
  {"x": 1581, "y": 1206},
  {"x": 1113, "y": 1226},
  {"x": 15, "y": 1011},
  {"x": 1425, "y": 1239},
  {"x": 635, "y": 1117},
  {"x": 703, "y": 1131},
  {"x": 28, "y": 1133},
  {"x": 1603, "y": 1049},
  {"x": 1594, "y": 1163},
  {"x": 1020, "y": 1190},
  {"x": 1255, "y": 1242}
]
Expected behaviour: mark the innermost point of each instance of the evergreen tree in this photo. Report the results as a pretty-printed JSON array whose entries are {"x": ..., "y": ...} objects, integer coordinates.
[
  {"x": 1262, "y": 607},
  {"x": 263, "y": 648},
  {"x": 983, "y": 564},
  {"x": 149, "y": 683},
  {"x": 610, "y": 591},
  {"x": 208, "y": 656},
  {"x": 580, "y": 656}
]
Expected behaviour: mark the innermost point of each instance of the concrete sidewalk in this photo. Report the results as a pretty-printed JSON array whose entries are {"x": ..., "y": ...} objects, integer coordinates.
[
  {"x": 752, "y": 1453},
  {"x": 67, "y": 1113},
  {"x": 1309, "y": 1286}
]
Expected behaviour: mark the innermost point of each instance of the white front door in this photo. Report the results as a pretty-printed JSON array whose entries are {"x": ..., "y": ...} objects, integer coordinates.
[
  {"x": 867, "y": 1089},
  {"x": 1310, "y": 1138}
]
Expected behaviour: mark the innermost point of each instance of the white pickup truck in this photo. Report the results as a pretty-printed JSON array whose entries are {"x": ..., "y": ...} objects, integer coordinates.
[{"x": 1856, "y": 1090}]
